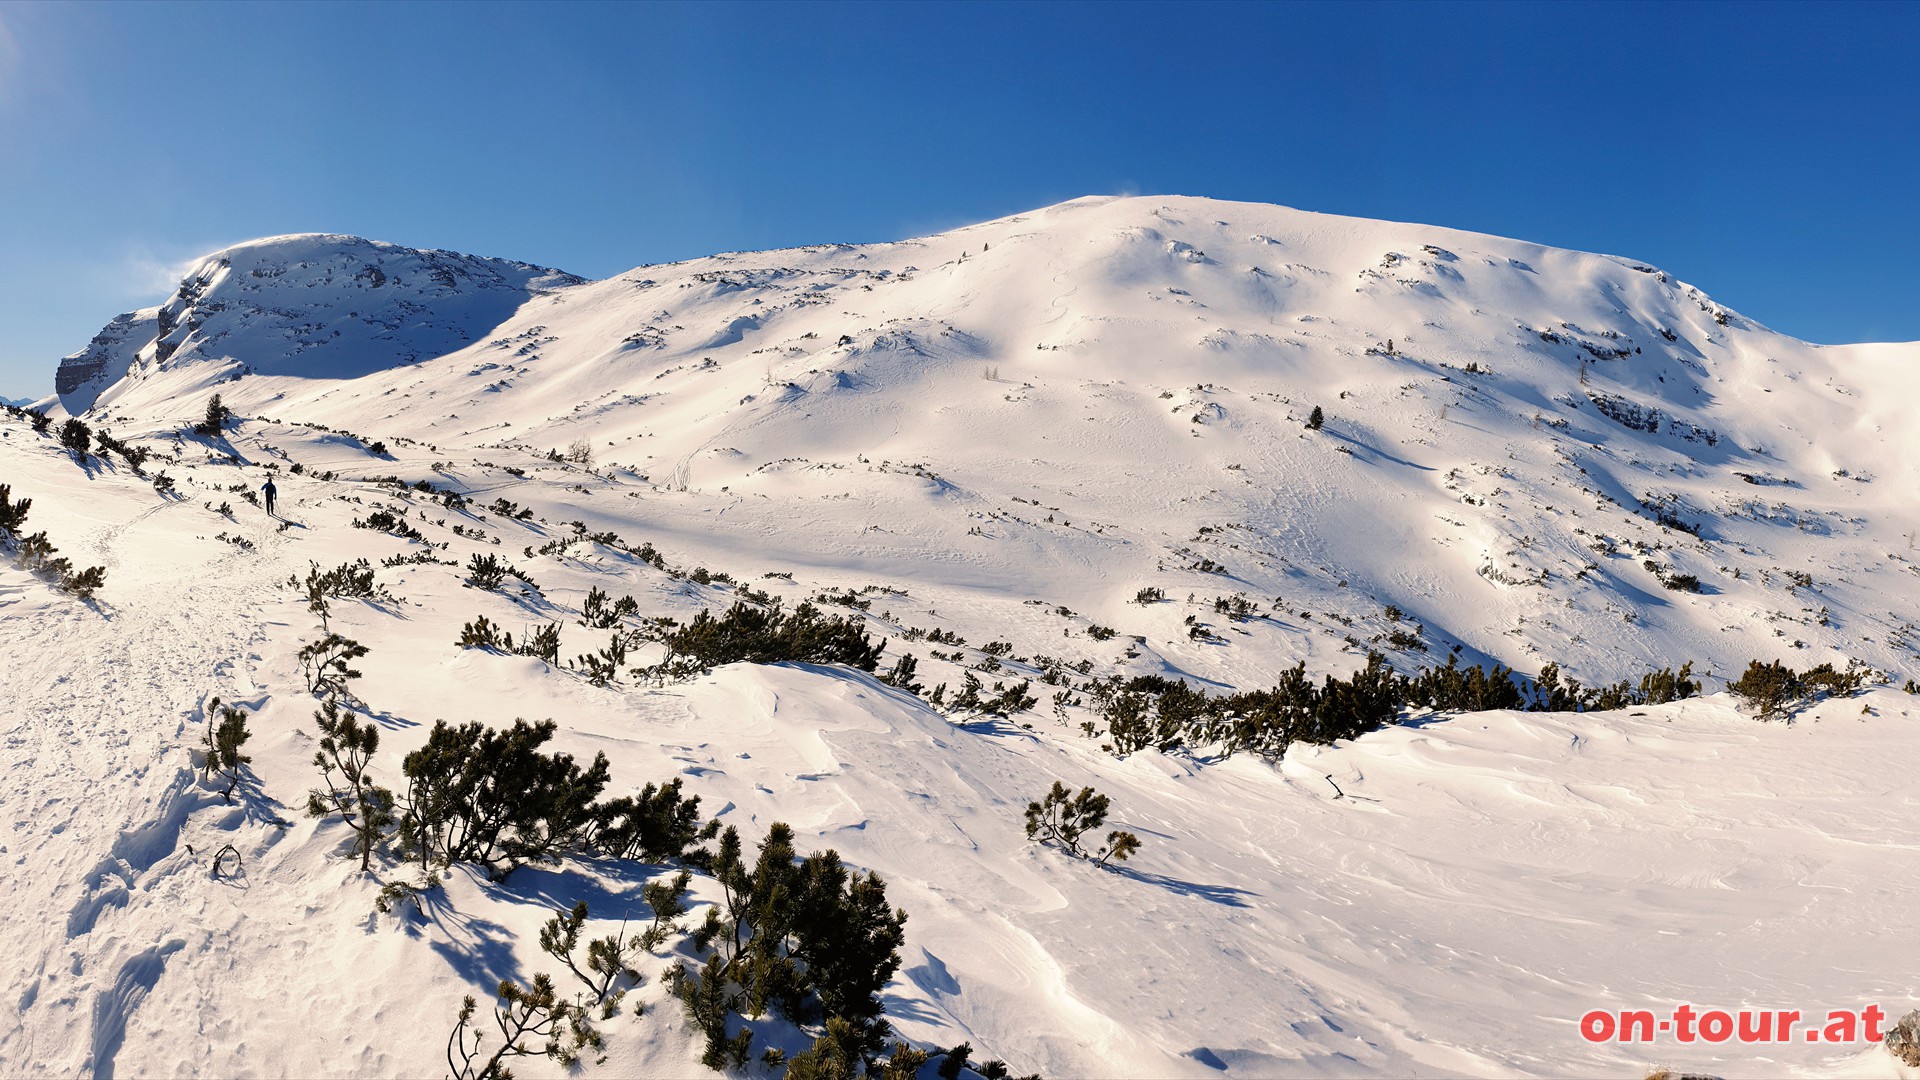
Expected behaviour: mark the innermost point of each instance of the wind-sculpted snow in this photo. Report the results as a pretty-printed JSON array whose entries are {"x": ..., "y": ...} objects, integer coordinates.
[
  {"x": 1445, "y": 897},
  {"x": 1521, "y": 443},
  {"x": 1075, "y": 439}
]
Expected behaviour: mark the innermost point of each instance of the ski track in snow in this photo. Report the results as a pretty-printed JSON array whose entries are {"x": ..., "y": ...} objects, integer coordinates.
[{"x": 110, "y": 731}]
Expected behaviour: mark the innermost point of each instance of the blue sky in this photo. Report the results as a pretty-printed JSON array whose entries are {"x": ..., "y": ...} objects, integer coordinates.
[{"x": 1768, "y": 154}]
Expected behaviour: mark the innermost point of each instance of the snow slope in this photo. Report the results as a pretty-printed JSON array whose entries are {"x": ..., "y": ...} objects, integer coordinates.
[
  {"x": 1483, "y": 882},
  {"x": 1029, "y": 421},
  {"x": 1508, "y": 425}
]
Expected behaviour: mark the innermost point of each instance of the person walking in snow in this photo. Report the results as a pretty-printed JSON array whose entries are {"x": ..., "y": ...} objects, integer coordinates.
[{"x": 269, "y": 492}]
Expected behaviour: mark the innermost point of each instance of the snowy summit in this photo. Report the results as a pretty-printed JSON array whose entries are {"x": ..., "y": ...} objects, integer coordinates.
[{"x": 1387, "y": 580}]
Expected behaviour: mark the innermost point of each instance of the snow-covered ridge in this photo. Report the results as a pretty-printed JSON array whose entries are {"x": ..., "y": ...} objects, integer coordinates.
[
  {"x": 1523, "y": 444},
  {"x": 310, "y": 303}
]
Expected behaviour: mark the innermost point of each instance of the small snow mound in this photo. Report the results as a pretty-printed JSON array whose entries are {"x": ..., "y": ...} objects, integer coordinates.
[{"x": 1181, "y": 250}]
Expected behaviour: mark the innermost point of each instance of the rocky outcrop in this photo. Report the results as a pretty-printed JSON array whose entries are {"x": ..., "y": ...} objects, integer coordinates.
[
  {"x": 1903, "y": 1040},
  {"x": 311, "y": 305},
  {"x": 106, "y": 359}
]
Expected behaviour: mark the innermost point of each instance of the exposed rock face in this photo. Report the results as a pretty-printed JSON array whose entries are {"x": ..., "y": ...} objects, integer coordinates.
[
  {"x": 1903, "y": 1040},
  {"x": 105, "y": 360},
  {"x": 311, "y": 305}
]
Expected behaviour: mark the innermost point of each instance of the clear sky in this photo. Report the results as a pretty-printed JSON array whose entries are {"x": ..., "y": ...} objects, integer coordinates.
[{"x": 1768, "y": 154}]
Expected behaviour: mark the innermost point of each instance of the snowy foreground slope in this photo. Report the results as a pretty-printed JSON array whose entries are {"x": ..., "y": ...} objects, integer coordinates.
[
  {"x": 1487, "y": 879},
  {"x": 1443, "y": 897}
]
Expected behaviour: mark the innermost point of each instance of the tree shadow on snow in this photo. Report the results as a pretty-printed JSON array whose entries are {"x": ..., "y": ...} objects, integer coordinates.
[
  {"x": 479, "y": 950},
  {"x": 386, "y": 719},
  {"x": 1377, "y": 452},
  {"x": 1218, "y": 894},
  {"x": 612, "y": 891}
]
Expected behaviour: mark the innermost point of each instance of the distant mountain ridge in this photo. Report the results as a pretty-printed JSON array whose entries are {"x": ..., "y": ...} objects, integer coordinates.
[{"x": 350, "y": 306}]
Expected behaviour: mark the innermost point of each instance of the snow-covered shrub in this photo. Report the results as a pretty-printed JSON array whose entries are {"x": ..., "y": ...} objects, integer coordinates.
[
  {"x": 325, "y": 663},
  {"x": 490, "y": 797},
  {"x": 13, "y": 514},
  {"x": 224, "y": 739},
  {"x": 1063, "y": 818},
  {"x": 769, "y": 635},
  {"x": 1902, "y": 1040},
  {"x": 488, "y": 572},
  {"x": 659, "y": 824},
  {"x": 804, "y": 936},
  {"x": 76, "y": 436},
  {"x": 346, "y": 746}
]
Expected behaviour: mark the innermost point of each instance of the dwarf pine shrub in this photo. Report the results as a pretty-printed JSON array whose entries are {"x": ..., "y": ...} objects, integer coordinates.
[
  {"x": 13, "y": 514},
  {"x": 521, "y": 1013},
  {"x": 37, "y": 555},
  {"x": 766, "y": 635},
  {"x": 76, "y": 436},
  {"x": 346, "y": 746},
  {"x": 1773, "y": 689},
  {"x": 596, "y": 613},
  {"x": 491, "y": 797},
  {"x": 482, "y": 634},
  {"x": 804, "y": 936},
  {"x": 325, "y": 663},
  {"x": 485, "y": 571},
  {"x": 659, "y": 824},
  {"x": 226, "y": 732},
  {"x": 1768, "y": 688},
  {"x": 352, "y": 580}
]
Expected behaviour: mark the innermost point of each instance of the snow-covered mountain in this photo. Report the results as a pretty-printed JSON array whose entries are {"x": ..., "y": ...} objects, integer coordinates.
[
  {"x": 306, "y": 303},
  {"x": 990, "y": 447},
  {"x": 1521, "y": 443}
]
